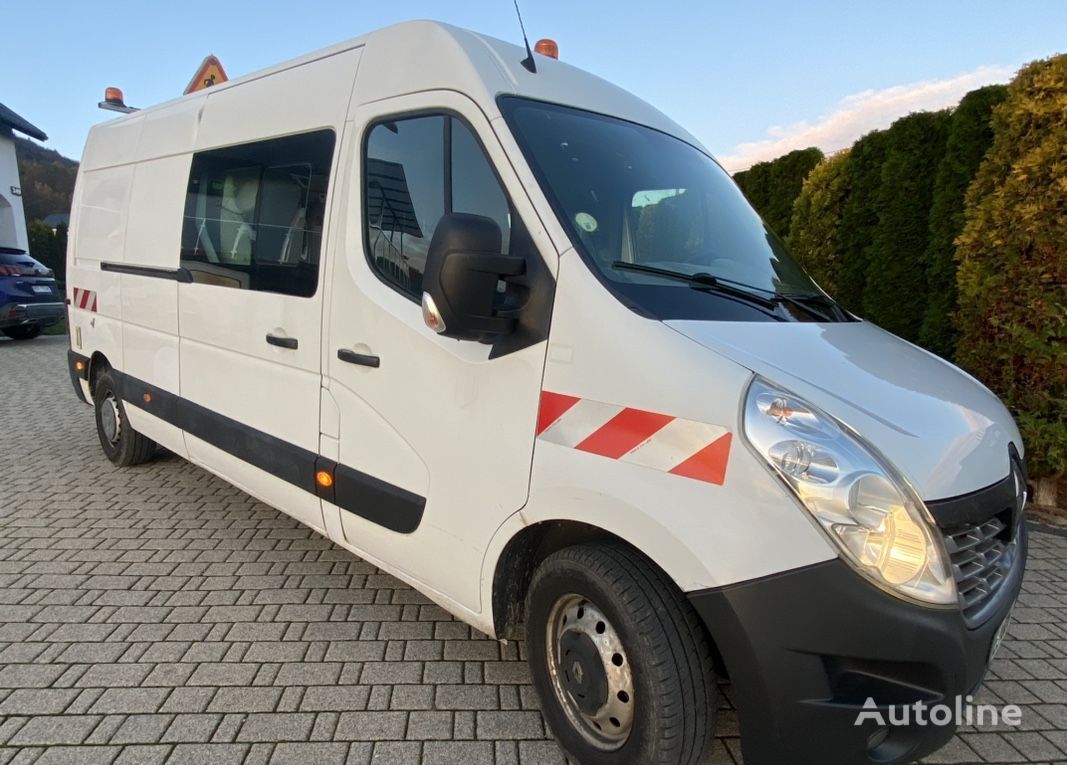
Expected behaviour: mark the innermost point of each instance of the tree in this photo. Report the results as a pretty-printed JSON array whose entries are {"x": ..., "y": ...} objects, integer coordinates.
[
  {"x": 1012, "y": 277},
  {"x": 773, "y": 186},
  {"x": 969, "y": 137},
  {"x": 48, "y": 246},
  {"x": 894, "y": 296},
  {"x": 814, "y": 233},
  {"x": 859, "y": 217}
]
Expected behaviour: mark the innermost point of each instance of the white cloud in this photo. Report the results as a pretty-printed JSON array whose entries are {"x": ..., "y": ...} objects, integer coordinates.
[{"x": 860, "y": 113}]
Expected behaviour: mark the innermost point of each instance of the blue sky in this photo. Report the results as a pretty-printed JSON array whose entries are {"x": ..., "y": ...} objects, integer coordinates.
[{"x": 750, "y": 79}]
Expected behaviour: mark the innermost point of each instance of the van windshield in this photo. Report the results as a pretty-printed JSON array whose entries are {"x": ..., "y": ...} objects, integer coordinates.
[{"x": 637, "y": 201}]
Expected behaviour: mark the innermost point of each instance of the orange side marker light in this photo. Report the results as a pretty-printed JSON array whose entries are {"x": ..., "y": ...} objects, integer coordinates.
[
  {"x": 324, "y": 479},
  {"x": 547, "y": 47}
]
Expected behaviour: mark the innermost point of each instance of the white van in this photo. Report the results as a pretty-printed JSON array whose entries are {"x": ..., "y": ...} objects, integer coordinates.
[{"x": 511, "y": 334}]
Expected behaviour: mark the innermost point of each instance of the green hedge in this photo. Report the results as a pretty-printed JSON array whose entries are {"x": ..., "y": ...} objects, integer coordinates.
[
  {"x": 771, "y": 187},
  {"x": 1012, "y": 257}
]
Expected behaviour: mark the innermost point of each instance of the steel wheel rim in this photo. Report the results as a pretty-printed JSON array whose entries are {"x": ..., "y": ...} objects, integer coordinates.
[
  {"x": 581, "y": 640},
  {"x": 110, "y": 421}
]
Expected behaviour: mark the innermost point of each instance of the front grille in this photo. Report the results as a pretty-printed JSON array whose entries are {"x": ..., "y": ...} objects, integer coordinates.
[
  {"x": 982, "y": 555},
  {"x": 983, "y": 533}
]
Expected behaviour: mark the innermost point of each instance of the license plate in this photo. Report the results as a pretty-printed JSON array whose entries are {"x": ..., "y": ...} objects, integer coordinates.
[
  {"x": 42, "y": 288},
  {"x": 998, "y": 637}
]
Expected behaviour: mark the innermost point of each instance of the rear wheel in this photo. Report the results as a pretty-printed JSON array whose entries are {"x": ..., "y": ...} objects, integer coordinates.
[
  {"x": 619, "y": 659},
  {"x": 123, "y": 445},
  {"x": 22, "y": 331}
]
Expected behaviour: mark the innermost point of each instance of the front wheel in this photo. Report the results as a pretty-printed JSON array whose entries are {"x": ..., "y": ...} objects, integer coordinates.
[
  {"x": 620, "y": 659},
  {"x": 123, "y": 445},
  {"x": 22, "y": 331}
]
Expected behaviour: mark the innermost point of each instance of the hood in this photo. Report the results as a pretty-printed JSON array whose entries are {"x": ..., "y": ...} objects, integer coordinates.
[{"x": 942, "y": 428}]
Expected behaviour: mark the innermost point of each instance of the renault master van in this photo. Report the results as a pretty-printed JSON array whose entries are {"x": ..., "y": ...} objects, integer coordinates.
[{"x": 511, "y": 334}]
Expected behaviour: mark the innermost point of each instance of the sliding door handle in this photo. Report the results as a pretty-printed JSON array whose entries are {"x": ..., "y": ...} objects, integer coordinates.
[
  {"x": 362, "y": 359},
  {"x": 282, "y": 342}
]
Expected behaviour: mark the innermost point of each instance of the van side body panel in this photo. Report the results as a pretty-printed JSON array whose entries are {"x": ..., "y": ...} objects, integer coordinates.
[{"x": 701, "y": 533}]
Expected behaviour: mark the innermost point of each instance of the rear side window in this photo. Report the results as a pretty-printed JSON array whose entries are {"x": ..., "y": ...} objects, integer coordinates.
[
  {"x": 254, "y": 214},
  {"x": 415, "y": 170}
]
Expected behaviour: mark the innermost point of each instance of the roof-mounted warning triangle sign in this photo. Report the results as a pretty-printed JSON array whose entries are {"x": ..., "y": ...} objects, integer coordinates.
[{"x": 210, "y": 73}]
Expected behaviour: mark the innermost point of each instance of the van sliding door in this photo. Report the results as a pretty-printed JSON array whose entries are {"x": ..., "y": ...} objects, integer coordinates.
[{"x": 251, "y": 315}]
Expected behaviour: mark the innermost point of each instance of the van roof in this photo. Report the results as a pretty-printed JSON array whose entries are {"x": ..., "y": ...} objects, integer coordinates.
[{"x": 417, "y": 56}]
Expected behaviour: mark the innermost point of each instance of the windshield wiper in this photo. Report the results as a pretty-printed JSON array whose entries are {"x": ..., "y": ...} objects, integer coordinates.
[
  {"x": 818, "y": 305},
  {"x": 702, "y": 281}
]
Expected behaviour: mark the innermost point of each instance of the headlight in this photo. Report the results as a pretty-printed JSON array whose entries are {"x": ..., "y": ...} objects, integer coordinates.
[{"x": 863, "y": 504}]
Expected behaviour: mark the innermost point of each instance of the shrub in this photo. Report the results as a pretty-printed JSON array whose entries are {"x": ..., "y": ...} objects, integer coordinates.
[
  {"x": 1012, "y": 274},
  {"x": 859, "y": 217},
  {"x": 814, "y": 234},
  {"x": 969, "y": 137},
  {"x": 772, "y": 186},
  {"x": 894, "y": 296},
  {"x": 49, "y": 247}
]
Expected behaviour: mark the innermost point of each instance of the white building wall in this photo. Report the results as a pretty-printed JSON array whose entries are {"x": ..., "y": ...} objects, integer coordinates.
[{"x": 12, "y": 217}]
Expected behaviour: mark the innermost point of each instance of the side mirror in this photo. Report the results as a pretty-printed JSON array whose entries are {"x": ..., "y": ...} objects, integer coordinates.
[{"x": 463, "y": 266}]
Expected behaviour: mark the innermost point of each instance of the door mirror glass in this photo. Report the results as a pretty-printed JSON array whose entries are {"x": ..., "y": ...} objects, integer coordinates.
[{"x": 464, "y": 266}]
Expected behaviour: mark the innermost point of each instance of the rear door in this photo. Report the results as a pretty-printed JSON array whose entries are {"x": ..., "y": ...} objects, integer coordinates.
[{"x": 435, "y": 434}]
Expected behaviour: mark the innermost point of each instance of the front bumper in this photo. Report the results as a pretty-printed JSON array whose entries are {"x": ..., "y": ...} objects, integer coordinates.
[
  {"x": 807, "y": 648},
  {"x": 15, "y": 314}
]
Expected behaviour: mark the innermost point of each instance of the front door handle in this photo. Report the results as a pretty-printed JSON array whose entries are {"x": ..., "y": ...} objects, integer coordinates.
[
  {"x": 362, "y": 359},
  {"x": 282, "y": 342}
]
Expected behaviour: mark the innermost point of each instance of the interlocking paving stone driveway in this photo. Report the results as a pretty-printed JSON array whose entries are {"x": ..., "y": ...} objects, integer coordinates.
[{"x": 158, "y": 614}]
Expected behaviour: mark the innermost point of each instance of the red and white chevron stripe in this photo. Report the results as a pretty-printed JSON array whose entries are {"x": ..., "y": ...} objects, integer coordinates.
[
  {"x": 659, "y": 441},
  {"x": 84, "y": 299}
]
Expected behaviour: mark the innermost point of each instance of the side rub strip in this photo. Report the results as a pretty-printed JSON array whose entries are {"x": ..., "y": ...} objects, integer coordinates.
[{"x": 353, "y": 490}]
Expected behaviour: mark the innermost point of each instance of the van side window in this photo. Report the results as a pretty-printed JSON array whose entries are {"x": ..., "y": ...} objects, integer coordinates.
[
  {"x": 404, "y": 193},
  {"x": 475, "y": 188},
  {"x": 415, "y": 170},
  {"x": 254, "y": 214}
]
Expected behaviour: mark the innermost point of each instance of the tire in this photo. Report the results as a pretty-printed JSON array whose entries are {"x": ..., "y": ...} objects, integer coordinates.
[
  {"x": 22, "y": 331},
  {"x": 620, "y": 609},
  {"x": 123, "y": 445}
]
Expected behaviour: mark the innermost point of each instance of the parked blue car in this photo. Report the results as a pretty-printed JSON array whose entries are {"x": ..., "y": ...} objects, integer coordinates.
[{"x": 29, "y": 297}]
